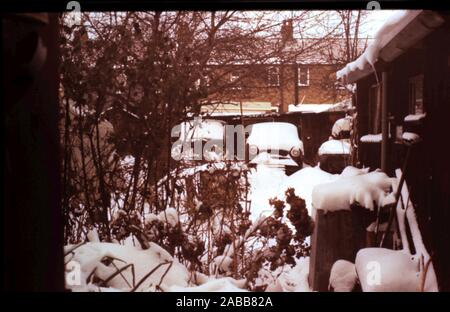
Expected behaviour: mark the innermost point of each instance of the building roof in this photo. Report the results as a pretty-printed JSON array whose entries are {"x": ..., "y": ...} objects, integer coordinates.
[
  {"x": 320, "y": 108},
  {"x": 234, "y": 108},
  {"x": 398, "y": 33},
  {"x": 307, "y": 51}
]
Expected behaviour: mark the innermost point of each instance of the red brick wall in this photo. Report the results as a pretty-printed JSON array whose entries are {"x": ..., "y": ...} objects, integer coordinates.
[{"x": 255, "y": 87}]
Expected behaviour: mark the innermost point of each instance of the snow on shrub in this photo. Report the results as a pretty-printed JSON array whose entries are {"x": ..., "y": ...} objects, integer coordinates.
[{"x": 125, "y": 267}]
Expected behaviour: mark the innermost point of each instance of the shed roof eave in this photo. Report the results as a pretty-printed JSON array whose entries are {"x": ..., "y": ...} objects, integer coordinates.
[{"x": 410, "y": 29}]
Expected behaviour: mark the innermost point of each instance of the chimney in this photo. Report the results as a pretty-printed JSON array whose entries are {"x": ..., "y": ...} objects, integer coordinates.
[{"x": 287, "y": 31}]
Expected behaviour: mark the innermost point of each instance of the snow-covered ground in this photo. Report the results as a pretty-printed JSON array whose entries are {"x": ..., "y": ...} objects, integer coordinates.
[
  {"x": 108, "y": 267},
  {"x": 265, "y": 182},
  {"x": 128, "y": 267}
]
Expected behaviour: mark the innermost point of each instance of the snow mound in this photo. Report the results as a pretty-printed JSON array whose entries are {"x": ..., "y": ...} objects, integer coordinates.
[
  {"x": 92, "y": 257},
  {"x": 367, "y": 190},
  {"x": 381, "y": 269},
  {"x": 343, "y": 276},
  {"x": 303, "y": 181},
  {"x": 334, "y": 147},
  {"x": 294, "y": 280},
  {"x": 341, "y": 125},
  {"x": 351, "y": 171},
  {"x": 225, "y": 284}
]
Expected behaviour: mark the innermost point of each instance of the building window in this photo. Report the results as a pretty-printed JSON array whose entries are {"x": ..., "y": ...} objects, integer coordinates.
[
  {"x": 303, "y": 76},
  {"x": 235, "y": 81},
  {"x": 416, "y": 95},
  {"x": 273, "y": 77}
]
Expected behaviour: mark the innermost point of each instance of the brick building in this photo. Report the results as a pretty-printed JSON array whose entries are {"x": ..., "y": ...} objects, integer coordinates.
[{"x": 302, "y": 73}]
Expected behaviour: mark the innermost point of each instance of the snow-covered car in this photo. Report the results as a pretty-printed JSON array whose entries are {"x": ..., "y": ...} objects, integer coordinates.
[
  {"x": 200, "y": 140},
  {"x": 275, "y": 144}
]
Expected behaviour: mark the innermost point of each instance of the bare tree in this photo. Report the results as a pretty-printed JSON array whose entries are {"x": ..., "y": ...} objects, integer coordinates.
[{"x": 127, "y": 79}]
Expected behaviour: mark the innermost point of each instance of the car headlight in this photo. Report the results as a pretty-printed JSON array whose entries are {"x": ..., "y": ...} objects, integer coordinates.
[
  {"x": 295, "y": 152},
  {"x": 253, "y": 150}
]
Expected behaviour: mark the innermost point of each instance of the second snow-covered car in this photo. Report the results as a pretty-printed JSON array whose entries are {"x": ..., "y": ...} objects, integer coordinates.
[{"x": 200, "y": 140}]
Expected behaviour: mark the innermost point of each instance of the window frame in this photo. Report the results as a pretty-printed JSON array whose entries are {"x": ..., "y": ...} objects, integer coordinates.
[
  {"x": 415, "y": 94},
  {"x": 276, "y": 74},
  {"x": 299, "y": 74},
  {"x": 236, "y": 83}
]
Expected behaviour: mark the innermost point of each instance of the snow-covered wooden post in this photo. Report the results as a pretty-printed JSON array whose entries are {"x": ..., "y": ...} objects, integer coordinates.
[
  {"x": 337, "y": 235},
  {"x": 342, "y": 211}
]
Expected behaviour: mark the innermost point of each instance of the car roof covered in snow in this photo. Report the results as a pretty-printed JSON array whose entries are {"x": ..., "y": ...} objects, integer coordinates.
[{"x": 275, "y": 135}]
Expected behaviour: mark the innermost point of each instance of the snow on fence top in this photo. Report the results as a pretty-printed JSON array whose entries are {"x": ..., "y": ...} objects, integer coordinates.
[
  {"x": 320, "y": 108},
  {"x": 367, "y": 189},
  {"x": 371, "y": 138},
  {"x": 391, "y": 29},
  {"x": 310, "y": 108},
  {"x": 415, "y": 117}
]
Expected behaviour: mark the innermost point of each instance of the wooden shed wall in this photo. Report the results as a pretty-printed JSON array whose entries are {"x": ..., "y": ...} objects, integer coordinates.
[{"x": 428, "y": 171}]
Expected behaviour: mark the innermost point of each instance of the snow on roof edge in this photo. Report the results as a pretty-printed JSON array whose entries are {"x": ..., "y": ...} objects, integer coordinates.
[{"x": 364, "y": 64}]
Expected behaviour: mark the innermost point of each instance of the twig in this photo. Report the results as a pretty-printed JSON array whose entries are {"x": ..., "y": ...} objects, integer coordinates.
[
  {"x": 148, "y": 275},
  {"x": 424, "y": 275},
  {"x": 90, "y": 275},
  {"x": 73, "y": 249},
  {"x": 119, "y": 271},
  {"x": 164, "y": 275}
]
